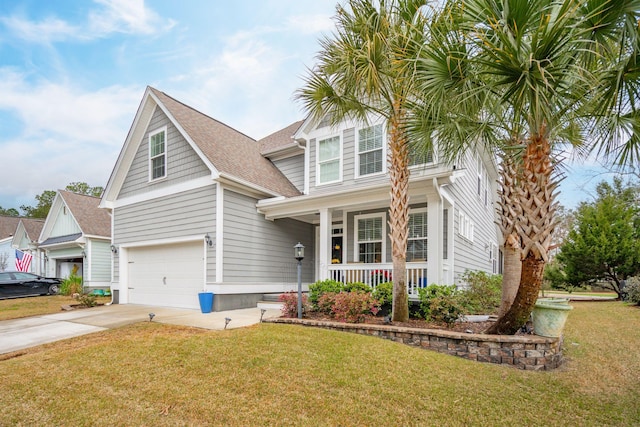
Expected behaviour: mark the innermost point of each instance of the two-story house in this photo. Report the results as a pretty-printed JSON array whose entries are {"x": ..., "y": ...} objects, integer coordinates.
[{"x": 198, "y": 206}]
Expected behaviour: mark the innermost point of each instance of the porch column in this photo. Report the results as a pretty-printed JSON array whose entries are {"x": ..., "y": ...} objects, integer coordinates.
[
  {"x": 324, "y": 258},
  {"x": 434, "y": 241}
]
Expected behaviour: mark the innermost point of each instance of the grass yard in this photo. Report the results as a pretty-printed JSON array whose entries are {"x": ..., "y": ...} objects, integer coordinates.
[
  {"x": 153, "y": 374},
  {"x": 37, "y": 306}
]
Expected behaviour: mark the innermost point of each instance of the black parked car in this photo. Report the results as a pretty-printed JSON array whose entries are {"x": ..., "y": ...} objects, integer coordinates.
[{"x": 18, "y": 284}]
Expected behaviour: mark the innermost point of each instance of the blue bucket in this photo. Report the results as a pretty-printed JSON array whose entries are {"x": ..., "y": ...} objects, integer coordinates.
[{"x": 206, "y": 301}]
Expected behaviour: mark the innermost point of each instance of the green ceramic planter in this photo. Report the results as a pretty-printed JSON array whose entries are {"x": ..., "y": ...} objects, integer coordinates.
[
  {"x": 551, "y": 300},
  {"x": 549, "y": 318}
]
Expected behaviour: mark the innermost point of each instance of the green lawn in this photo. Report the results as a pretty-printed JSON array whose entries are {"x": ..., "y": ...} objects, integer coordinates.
[{"x": 269, "y": 374}]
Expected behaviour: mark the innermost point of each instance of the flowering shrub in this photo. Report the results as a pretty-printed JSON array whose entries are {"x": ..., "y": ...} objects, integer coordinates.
[
  {"x": 326, "y": 302},
  {"x": 352, "y": 307},
  {"x": 316, "y": 290},
  {"x": 289, "y": 302}
]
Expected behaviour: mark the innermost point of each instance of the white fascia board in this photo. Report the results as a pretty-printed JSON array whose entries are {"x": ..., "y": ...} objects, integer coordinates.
[
  {"x": 249, "y": 187},
  {"x": 129, "y": 149},
  {"x": 94, "y": 237},
  {"x": 163, "y": 192}
]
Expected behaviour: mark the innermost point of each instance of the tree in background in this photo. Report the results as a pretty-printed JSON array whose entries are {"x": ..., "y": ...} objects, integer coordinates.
[
  {"x": 603, "y": 246},
  {"x": 45, "y": 199},
  {"x": 9, "y": 212}
]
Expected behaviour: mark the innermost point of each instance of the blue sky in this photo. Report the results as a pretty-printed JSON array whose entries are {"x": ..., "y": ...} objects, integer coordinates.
[{"x": 73, "y": 72}]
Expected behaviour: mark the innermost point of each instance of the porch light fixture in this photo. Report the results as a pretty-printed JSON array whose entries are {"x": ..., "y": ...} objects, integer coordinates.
[
  {"x": 114, "y": 249},
  {"x": 299, "y": 256},
  {"x": 84, "y": 254},
  {"x": 207, "y": 239}
]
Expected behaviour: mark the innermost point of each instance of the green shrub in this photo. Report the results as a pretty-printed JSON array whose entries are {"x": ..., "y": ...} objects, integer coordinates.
[
  {"x": 426, "y": 295},
  {"x": 71, "y": 285},
  {"x": 446, "y": 308},
  {"x": 352, "y": 307},
  {"x": 323, "y": 286},
  {"x": 632, "y": 289},
  {"x": 384, "y": 293},
  {"x": 482, "y": 293},
  {"x": 87, "y": 300},
  {"x": 357, "y": 287}
]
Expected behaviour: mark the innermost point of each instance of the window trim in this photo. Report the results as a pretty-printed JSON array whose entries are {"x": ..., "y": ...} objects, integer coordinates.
[
  {"x": 150, "y": 157},
  {"x": 383, "y": 149},
  {"x": 466, "y": 226},
  {"x": 383, "y": 234},
  {"x": 425, "y": 238},
  {"x": 339, "y": 158}
]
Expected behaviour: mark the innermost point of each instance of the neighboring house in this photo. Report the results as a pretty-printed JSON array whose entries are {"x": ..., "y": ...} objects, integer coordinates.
[
  {"x": 196, "y": 206},
  {"x": 76, "y": 238},
  {"x": 19, "y": 233},
  {"x": 8, "y": 226},
  {"x": 26, "y": 239}
]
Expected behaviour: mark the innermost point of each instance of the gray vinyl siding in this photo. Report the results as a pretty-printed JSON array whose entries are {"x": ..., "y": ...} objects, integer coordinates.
[
  {"x": 293, "y": 169},
  {"x": 183, "y": 163},
  {"x": 258, "y": 250},
  {"x": 472, "y": 255},
  {"x": 349, "y": 179},
  {"x": 100, "y": 261},
  {"x": 183, "y": 214}
]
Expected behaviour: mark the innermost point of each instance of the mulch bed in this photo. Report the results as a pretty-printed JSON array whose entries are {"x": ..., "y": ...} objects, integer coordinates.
[{"x": 468, "y": 327}]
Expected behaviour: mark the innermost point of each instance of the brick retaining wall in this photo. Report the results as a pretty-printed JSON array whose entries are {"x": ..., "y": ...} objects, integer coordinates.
[{"x": 530, "y": 352}]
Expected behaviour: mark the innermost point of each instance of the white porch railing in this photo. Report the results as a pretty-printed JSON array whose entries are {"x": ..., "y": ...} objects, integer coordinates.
[{"x": 374, "y": 274}]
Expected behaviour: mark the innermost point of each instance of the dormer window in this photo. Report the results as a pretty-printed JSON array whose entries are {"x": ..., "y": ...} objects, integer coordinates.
[
  {"x": 370, "y": 155},
  {"x": 157, "y": 154}
]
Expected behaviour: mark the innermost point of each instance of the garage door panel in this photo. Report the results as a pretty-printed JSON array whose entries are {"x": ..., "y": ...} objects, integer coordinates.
[{"x": 167, "y": 275}]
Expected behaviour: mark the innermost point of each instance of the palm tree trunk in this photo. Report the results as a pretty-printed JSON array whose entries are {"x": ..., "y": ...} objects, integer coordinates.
[
  {"x": 399, "y": 212},
  {"x": 511, "y": 273},
  {"x": 535, "y": 228}
]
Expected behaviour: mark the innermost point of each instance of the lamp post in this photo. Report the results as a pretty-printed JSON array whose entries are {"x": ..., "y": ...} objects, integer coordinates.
[{"x": 299, "y": 255}]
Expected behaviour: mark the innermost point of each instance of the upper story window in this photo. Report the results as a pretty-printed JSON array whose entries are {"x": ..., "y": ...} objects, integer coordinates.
[
  {"x": 369, "y": 235},
  {"x": 158, "y": 154},
  {"x": 329, "y": 160},
  {"x": 417, "y": 236},
  {"x": 465, "y": 226},
  {"x": 370, "y": 150},
  {"x": 419, "y": 157}
]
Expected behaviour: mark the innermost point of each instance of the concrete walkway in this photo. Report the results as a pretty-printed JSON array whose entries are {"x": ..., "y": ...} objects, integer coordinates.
[{"x": 18, "y": 334}]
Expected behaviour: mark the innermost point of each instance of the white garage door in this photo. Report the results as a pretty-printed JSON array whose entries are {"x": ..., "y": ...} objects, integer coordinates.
[{"x": 167, "y": 275}]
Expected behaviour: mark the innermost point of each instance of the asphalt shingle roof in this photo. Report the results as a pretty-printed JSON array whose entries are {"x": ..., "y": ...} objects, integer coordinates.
[
  {"x": 8, "y": 226},
  {"x": 92, "y": 220},
  {"x": 229, "y": 151},
  {"x": 280, "y": 139}
]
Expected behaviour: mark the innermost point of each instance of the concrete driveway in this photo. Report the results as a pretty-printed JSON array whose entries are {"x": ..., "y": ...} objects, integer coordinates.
[{"x": 28, "y": 332}]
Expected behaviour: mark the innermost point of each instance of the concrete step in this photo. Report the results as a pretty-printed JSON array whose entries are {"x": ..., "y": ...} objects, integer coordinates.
[{"x": 270, "y": 305}]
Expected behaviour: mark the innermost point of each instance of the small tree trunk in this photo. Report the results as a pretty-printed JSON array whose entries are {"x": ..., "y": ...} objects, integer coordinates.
[
  {"x": 511, "y": 273},
  {"x": 518, "y": 314}
]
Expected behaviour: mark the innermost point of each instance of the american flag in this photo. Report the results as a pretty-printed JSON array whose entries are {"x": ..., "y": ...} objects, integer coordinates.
[{"x": 23, "y": 260}]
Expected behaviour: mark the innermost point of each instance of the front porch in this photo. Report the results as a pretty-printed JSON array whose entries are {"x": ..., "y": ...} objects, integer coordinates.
[{"x": 375, "y": 273}]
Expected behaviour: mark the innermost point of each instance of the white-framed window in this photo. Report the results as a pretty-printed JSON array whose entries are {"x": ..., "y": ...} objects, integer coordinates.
[
  {"x": 418, "y": 156},
  {"x": 158, "y": 154},
  {"x": 369, "y": 237},
  {"x": 479, "y": 170},
  {"x": 465, "y": 226},
  {"x": 493, "y": 257},
  {"x": 417, "y": 236},
  {"x": 329, "y": 160},
  {"x": 370, "y": 150}
]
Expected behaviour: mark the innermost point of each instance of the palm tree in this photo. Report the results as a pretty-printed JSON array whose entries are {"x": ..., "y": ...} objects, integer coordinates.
[
  {"x": 360, "y": 71},
  {"x": 546, "y": 73}
]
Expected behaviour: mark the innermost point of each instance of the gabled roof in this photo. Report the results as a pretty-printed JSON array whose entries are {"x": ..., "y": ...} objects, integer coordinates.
[
  {"x": 92, "y": 220},
  {"x": 8, "y": 226},
  {"x": 32, "y": 227},
  {"x": 231, "y": 152},
  {"x": 280, "y": 140},
  {"x": 228, "y": 153}
]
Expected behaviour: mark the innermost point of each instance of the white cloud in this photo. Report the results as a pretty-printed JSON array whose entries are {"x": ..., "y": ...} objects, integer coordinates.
[
  {"x": 67, "y": 134},
  {"x": 113, "y": 16}
]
